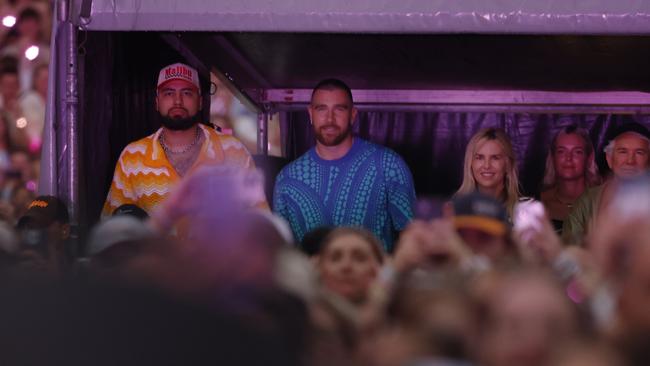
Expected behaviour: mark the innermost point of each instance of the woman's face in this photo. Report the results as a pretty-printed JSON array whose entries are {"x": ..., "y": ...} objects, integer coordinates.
[
  {"x": 489, "y": 165},
  {"x": 569, "y": 157},
  {"x": 527, "y": 320},
  {"x": 348, "y": 266}
]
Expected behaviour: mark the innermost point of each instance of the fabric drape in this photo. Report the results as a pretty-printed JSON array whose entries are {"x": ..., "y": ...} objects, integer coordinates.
[{"x": 433, "y": 144}]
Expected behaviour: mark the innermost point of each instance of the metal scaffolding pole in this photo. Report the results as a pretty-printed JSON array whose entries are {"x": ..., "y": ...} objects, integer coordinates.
[
  {"x": 72, "y": 131},
  {"x": 67, "y": 146},
  {"x": 263, "y": 132}
]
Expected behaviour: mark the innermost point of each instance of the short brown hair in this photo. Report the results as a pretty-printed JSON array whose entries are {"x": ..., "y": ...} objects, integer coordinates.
[
  {"x": 367, "y": 236},
  {"x": 333, "y": 84}
]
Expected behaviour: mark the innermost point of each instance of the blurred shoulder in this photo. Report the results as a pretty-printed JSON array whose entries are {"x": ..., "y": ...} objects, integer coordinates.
[{"x": 228, "y": 143}]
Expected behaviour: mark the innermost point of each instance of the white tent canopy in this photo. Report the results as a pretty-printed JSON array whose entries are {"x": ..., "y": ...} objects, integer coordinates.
[{"x": 375, "y": 16}]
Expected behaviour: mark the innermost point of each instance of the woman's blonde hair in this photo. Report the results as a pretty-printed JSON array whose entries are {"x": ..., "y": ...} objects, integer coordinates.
[
  {"x": 592, "y": 177},
  {"x": 511, "y": 183}
]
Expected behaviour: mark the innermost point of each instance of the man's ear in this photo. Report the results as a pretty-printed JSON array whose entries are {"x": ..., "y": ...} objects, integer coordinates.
[
  {"x": 608, "y": 157},
  {"x": 354, "y": 115},
  {"x": 156, "y": 101},
  {"x": 310, "y": 112}
]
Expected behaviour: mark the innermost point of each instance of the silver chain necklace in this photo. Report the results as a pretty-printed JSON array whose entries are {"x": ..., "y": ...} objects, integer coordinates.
[{"x": 187, "y": 148}]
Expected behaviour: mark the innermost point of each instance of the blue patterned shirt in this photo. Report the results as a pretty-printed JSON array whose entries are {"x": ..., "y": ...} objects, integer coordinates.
[{"x": 371, "y": 186}]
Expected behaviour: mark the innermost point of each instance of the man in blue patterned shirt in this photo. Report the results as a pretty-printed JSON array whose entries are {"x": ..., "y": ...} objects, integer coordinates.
[{"x": 344, "y": 180}]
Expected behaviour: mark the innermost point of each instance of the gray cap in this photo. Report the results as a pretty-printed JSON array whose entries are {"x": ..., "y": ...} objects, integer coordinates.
[{"x": 115, "y": 230}]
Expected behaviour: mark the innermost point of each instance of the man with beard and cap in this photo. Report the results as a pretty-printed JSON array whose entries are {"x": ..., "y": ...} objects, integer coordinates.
[
  {"x": 148, "y": 168},
  {"x": 344, "y": 180}
]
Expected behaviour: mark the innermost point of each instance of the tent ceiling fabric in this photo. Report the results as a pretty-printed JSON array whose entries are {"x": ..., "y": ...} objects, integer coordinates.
[
  {"x": 375, "y": 16},
  {"x": 428, "y": 62}
]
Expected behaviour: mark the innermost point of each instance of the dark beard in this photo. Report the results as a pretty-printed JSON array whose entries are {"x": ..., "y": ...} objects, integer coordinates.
[
  {"x": 179, "y": 124},
  {"x": 336, "y": 140}
]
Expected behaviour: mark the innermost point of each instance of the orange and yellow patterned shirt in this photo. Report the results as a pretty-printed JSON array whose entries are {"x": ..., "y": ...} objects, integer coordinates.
[{"x": 144, "y": 177}]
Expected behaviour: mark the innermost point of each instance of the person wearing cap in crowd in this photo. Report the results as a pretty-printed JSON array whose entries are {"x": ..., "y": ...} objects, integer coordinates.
[
  {"x": 44, "y": 230},
  {"x": 116, "y": 240},
  {"x": 475, "y": 236},
  {"x": 483, "y": 224},
  {"x": 627, "y": 156},
  {"x": 131, "y": 210},
  {"x": 344, "y": 180},
  {"x": 148, "y": 168}
]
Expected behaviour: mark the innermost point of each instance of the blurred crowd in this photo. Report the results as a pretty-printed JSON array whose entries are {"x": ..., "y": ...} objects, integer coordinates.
[
  {"x": 463, "y": 287},
  {"x": 24, "y": 57}
]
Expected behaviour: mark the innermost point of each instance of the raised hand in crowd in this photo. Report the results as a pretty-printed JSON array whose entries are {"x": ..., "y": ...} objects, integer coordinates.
[
  {"x": 621, "y": 227},
  {"x": 536, "y": 240},
  {"x": 430, "y": 245}
]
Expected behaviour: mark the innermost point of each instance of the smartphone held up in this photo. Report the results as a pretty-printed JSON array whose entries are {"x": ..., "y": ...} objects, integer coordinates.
[{"x": 529, "y": 218}]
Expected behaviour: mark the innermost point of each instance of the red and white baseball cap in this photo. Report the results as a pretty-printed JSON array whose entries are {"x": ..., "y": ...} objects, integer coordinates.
[{"x": 178, "y": 71}]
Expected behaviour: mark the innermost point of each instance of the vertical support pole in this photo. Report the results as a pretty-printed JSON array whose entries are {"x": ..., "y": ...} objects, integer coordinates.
[
  {"x": 67, "y": 128},
  {"x": 72, "y": 132},
  {"x": 47, "y": 184},
  {"x": 263, "y": 131}
]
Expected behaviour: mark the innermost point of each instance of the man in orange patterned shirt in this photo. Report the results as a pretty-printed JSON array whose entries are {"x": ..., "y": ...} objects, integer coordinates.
[{"x": 148, "y": 168}]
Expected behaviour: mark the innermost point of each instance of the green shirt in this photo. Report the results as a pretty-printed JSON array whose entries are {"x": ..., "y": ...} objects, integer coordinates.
[{"x": 582, "y": 216}]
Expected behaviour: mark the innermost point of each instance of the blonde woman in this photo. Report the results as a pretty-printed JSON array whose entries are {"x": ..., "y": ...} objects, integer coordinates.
[
  {"x": 570, "y": 170},
  {"x": 490, "y": 167}
]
